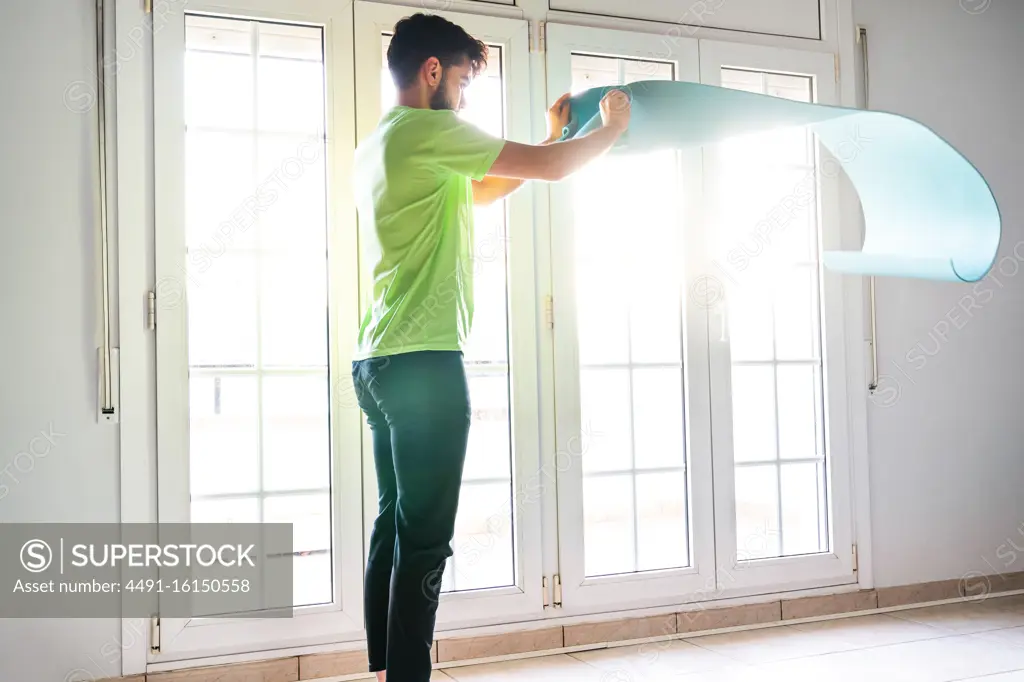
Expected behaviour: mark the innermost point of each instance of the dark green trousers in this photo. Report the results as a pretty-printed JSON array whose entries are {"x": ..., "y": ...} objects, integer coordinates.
[{"x": 417, "y": 406}]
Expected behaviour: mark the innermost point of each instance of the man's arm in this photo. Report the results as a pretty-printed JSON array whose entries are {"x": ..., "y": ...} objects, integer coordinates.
[
  {"x": 557, "y": 161},
  {"x": 495, "y": 188}
]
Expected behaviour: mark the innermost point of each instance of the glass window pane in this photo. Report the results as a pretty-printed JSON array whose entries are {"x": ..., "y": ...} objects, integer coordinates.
[
  {"x": 798, "y": 428},
  {"x": 293, "y": 311},
  {"x": 753, "y": 413},
  {"x": 219, "y": 184},
  {"x": 662, "y": 537},
  {"x": 755, "y": 210},
  {"x": 608, "y": 524},
  {"x": 290, "y": 81},
  {"x": 291, "y": 42},
  {"x": 796, "y": 315},
  {"x": 257, "y": 282},
  {"x": 803, "y": 530},
  {"x": 751, "y": 326},
  {"x": 793, "y": 227},
  {"x": 607, "y": 443},
  {"x": 628, "y": 302},
  {"x": 602, "y": 316},
  {"x": 482, "y": 547},
  {"x": 310, "y": 516},
  {"x": 488, "y": 341},
  {"x": 646, "y": 70},
  {"x": 489, "y": 454},
  {"x": 737, "y": 79},
  {"x": 594, "y": 72},
  {"x": 388, "y": 93},
  {"x": 211, "y": 34},
  {"x": 796, "y": 88},
  {"x": 296, "y": 432},
  {"x": 223, "y": 425},
  {"x": 656, "y": 327},
  {"x": 218, "y": 90},
  {"x": 658, "y": 418},
  {"x": 312, "y": 579},
  {"x": 290, "y": 201},
  {"x": 485, "y": 103},
  {"x": 655, "y": 278},
  {"x": 757, "y": 512},
  {"x": 231, "y": 510},
  {"x": 291, "y": 95},
  {"x": 631, "y": 315},
  {"x": 222, "y": 311},
  {"x": 765, "y": 208}
]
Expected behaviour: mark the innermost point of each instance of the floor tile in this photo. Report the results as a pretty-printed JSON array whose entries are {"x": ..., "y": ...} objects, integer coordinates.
[
  {"x": 648, "y": 661},
  {"x": 873, "y": 630},
  {"x": 967, "y": 617},
  {"x": 439, "y": 676},
  {"x": 772, "y": 644},
  {"x": 1014, "y": 636},
  {"x": 560, "y": 668},
  {"x": 976, "y": 641},
  {"x": 733, "y": 673},
  {"x": 935, "y": 660},
  {"x": 1016, "y": 676}
]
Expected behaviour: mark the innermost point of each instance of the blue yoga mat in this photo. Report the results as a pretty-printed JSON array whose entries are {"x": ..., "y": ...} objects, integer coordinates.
[{"x": 928, "y": 211}]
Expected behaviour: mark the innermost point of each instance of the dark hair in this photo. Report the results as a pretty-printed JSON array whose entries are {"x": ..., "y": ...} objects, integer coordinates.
[{"x": 419, "y": 37}]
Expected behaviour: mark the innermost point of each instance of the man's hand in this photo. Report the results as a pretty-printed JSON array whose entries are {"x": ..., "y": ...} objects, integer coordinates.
[
  {"x": 558, "y": 117},
  {"x": 615, "y": 110}
]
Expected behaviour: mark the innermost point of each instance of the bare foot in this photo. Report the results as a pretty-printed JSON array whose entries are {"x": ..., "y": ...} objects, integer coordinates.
[{"x": 381, "y": 675}]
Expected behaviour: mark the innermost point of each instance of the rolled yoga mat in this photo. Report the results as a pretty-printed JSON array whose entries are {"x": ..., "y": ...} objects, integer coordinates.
[{"x": 928, "y": 212}]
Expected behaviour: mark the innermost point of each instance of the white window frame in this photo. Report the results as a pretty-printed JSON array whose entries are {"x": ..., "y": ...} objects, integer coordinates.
[
  {"x": 835, "y": 567},
  {"x": 581, "y": 594},
  {"x": 728, "y": 576},
  {"x": 525, "y": 598},
  {"x": 189, "y": 638}
]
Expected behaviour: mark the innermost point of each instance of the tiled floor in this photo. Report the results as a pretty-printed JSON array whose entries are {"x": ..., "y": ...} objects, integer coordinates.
[{"x": 981, "y": 641}]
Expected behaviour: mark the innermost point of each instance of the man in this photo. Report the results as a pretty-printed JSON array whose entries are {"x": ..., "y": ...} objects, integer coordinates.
[{"x": 417, "y": 177}]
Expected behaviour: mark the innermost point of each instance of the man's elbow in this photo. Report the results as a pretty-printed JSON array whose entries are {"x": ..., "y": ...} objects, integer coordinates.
[{"x": 481, "y": 197}]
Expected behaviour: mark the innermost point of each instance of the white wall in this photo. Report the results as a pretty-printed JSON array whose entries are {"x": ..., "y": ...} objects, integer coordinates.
[
  {"x": 947, "y": 429},
  {"x": 48, "y": 315}
]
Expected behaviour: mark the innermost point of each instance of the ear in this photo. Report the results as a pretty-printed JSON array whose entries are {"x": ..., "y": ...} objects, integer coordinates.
[{"x": 432, "y": 71}]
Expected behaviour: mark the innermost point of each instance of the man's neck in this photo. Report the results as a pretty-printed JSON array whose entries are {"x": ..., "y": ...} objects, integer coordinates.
[{"x": 414, "y": 98}]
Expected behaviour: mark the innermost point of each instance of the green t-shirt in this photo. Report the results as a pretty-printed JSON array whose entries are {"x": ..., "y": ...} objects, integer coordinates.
[{"x": 414, "y": 193}]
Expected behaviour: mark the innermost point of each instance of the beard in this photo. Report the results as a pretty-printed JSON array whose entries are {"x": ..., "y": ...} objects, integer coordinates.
[{"x": 440, "y": 101}]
